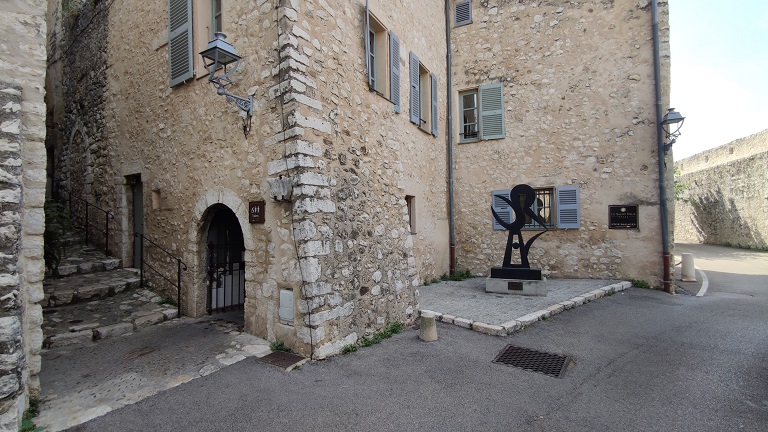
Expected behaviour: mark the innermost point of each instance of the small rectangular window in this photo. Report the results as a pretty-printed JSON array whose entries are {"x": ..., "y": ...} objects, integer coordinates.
[
  {"x": 556, "y": 207},
  {"x": 410, "y": 202},
  {"x": 462, "y": 13},
  {"x": 424, "y": 107},
  {"x": 468, "y": 115}
]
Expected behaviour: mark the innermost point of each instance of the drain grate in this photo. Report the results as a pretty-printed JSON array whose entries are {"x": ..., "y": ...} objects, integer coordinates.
[
  {"x": 536, "y": 361},
  {"x": 282, "y": 359}
]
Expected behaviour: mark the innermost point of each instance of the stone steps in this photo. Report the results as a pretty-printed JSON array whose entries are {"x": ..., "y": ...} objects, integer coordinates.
[
  {"x": 86, "y": 259},
  {"x": 84, "y": 287}
]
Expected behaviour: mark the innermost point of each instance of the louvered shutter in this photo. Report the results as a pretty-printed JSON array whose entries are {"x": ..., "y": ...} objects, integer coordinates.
[
  {"x": 434, "y": 105},
  {"x": 501, "y": 207},
  {"x": 491, "y": 98},
  {"x": 415, "y": 100},
  {"x": 462, "y": 13},
  {"x": 394, "y": 69},
  {"x": 180, "y": 41},
  {"x": 368, "y": 64},
  {"x": 568, "y": 212}
]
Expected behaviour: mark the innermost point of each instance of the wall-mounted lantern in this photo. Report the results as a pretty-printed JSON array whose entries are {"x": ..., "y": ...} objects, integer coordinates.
[
  {"x": 671, "y": 124},
  {"x": 220, "y": 56}
]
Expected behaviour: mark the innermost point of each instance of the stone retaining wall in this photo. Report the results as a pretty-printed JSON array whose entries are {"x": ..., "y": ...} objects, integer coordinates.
[{"x": 726, "y": 197}]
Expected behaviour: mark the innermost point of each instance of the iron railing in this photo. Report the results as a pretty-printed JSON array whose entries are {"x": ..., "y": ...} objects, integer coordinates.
[
  {"x": 180, "y": 265},
  {"x": 85, "y": 221}
]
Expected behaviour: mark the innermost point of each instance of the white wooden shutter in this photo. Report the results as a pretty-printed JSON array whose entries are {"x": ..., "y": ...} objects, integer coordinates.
[
  {"x": 568, "y": 212},
  {"x": 368, "y": 64},
  {"x": 180, "y": 55},
  {"x": 394, "y": 70},
  {"x": 434, "y": 105},
  {"x": 415, "y": 100},
  {"x": 491, "y": 97},
  {"x": 462, "y": 13},
  {"x": 501, "y": 207}
]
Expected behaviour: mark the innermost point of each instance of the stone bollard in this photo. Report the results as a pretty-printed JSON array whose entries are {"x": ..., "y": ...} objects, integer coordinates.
[
  {"x": 427, "y": 327},
  {"x": 688, "y": 272}
]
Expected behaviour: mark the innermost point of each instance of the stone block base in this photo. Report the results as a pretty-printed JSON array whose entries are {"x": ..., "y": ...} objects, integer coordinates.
[{"x": 516, "y": 286}]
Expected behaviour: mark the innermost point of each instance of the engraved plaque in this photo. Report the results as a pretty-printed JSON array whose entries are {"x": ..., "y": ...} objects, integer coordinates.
[
  {"x": 514, "y": 286},
  {"x": 256, "y": 212},
  {"x": 622, "y": 217}
]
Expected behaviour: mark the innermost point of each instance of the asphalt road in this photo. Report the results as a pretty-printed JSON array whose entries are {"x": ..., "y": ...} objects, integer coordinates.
[{"x": 645, "y": 360}]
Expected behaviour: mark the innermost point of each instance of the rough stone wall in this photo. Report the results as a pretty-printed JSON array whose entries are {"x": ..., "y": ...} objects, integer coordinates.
[
  {"x": 358, "y": 257},
  {"x": 725, "y": 200},
  {"x": 22, "y": 196},
  {"x": 579, "y": 109}
]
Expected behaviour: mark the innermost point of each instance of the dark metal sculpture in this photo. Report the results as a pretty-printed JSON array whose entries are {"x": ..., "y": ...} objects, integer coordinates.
[{"x": 521, "y": 198}]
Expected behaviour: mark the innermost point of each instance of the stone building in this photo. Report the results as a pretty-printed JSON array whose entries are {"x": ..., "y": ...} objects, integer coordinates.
[
  {"x": 391, "y": 164},
  {"x": 733, "y": 212},
  {"x": 22, "y": 197}
]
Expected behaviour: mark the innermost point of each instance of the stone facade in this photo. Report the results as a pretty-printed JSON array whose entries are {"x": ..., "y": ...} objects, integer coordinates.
[
  {"x": 367, "y": 220},
  {"x": 578, "y": 81},
  {"x": 732, "y": 212},
  {"x": 22, "y": 197}
]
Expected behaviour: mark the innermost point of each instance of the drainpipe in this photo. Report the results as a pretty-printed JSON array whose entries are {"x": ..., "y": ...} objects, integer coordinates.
[
  {"x": 449, "y": 136},
  {"x": 665, "y": 256}
]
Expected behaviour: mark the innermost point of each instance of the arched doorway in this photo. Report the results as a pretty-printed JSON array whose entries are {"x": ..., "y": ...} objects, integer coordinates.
[{"x": 225, "y": 261}]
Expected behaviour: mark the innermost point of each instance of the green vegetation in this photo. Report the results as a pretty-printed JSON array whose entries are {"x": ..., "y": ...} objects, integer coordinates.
[
  {"x": 349, "y": 348},
  {"x": 279, "y": 346},
  {"x": 639, "y": 283},
  {"x": 387, "y": 332},
  {"x": 27, "y": 423},
  {"x": 458, "y": 275},
  {"x": 168, "y": 300}
]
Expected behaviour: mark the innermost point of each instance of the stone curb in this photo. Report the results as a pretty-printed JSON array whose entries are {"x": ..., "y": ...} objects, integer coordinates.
[
  {"x": 524, "y": 321},
  {"x": 110, "y": 331}
]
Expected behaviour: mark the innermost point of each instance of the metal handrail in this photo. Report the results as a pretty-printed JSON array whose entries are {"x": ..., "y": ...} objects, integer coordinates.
[
  {"x": 179, "y": 263},
  {"x": 87, "y": 225}
]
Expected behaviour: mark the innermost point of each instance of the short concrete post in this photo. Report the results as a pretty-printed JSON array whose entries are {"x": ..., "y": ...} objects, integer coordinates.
[
  {"x": 427, "y": 328},
  {"x": 688, "y": 272}
]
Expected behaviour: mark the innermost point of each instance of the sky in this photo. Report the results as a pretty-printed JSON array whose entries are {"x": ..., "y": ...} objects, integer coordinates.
[{"x": 719, "y": 71}]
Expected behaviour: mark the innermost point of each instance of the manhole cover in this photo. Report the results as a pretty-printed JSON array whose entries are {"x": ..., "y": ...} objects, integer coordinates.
[
  {"x": 536, "y": 361},
  {"x": 282, "y": 359}
]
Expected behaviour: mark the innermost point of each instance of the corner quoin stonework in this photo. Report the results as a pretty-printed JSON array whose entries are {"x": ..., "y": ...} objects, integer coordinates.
[{"x": 22, "y": 196}]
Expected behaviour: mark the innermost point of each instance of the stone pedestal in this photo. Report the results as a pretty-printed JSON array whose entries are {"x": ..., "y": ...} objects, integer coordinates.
[
  {"x": 517, "y": 286},
  {"x": 427, "y": 328}
]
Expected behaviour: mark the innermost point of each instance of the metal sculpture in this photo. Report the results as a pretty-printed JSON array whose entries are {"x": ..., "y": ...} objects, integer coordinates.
[{"x": 521, "y": 198}]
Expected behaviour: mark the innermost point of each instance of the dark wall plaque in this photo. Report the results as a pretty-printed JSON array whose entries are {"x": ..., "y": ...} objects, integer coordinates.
[
  {"x": 622, "y": 217},
  {"x": 256, "y": 212}
]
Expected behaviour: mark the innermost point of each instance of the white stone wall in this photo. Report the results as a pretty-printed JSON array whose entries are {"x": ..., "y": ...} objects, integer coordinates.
[
  {"x": 579, "y": 109},
  {"x": 22, "y": 196}
]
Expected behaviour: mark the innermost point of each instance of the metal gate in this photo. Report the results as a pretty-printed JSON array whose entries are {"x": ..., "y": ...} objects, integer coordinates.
[{"x": 226, "y": 277}]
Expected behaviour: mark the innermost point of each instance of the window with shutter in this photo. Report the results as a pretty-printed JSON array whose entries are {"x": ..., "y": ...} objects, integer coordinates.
[
  {"x": 462, "y": 13},
  {"x": 501, "y": 208},
  {"x": 434, "y": 105},
  {"x": 415, "y": 99},
  {"x": 568, "y": 212},
  {"x": 491, "y": 111},
  {"x": 382, "y": 59},
  {"x": 180, "y": 53}
]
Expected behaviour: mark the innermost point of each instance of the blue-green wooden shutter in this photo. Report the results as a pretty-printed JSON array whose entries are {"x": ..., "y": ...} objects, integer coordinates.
[
  {"x": 434, "y": 105},
  {"x": 180, "y": 53},
  {"x": 568, "y": 212},
  {"x": 415, "y": 100},
  {"x": 502, "y": 208},
  {"x": 368, "y": 64},
  {"x": 394, "y": 70},
  {"x": 462, "y": 13},
  {"x": 491, "y": 98}
]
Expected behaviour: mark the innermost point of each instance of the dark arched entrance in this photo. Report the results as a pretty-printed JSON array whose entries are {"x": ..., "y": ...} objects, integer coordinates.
[{"x": 225, "y": 261}]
